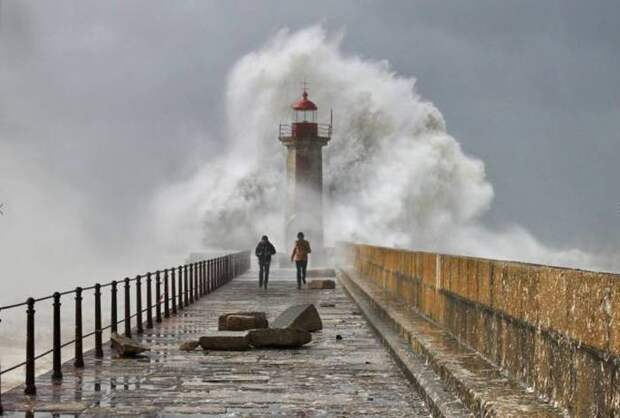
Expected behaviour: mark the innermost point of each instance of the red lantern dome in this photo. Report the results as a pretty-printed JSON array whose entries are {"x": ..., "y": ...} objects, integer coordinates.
[{"x": 304, "y": 104}]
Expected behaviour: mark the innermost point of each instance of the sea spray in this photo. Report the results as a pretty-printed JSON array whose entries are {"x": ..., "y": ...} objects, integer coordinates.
[{"x": 392, "y": 174}]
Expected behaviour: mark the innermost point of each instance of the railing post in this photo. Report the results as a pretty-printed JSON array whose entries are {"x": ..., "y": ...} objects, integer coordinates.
[
  {"x": 213, "y": 274},
  {"x": 174, "y": 290},
  {"x": 149, "y": 301},
  {"x": 30, "y": 388},
  {"x": 203, "y": 269},
  {"x": 219, "y": 271},
  {"x": 57, "y": 360},
  {"x": 203, "y": 278},
  {"x": 208, "y": 274},
  {"x": 180, "y": 279},
  {"x": 199, "y": 278},
  {"x": 191, "y": 283},
  {"x": 166, "y": 295},
  {"x": 98, "y": 331},
  {"x": 79, "y": 352},
  {"x": 139, "y": 325},
  {"x": 196, "y": 284},
  {"x": 197, "y": 274},
  {"x": 127, "y": 308},
  {"x": 158, "y": 296},
  {"x": 185, "y": 287},
  {"x": 215, "y": 285},
  {"x": 113, "y": 309}
]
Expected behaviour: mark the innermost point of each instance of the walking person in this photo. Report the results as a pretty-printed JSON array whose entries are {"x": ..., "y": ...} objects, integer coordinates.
[
  {"x": 300, "y": 257},
  {"x": 264, "y": 251}
]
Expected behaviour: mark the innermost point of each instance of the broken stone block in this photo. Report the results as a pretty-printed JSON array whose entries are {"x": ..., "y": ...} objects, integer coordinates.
[
  {"x": 279, "y": 337},
  {"x": 304, "y": 317},
  {"x": 241, "y": 321},
  {"x": 226, "y": 341},
  {"x": 126, "y": 347},
  {"x": 322, "y": 284},
  {"x": 244, "y": 322},
  {"x": 189, "y": 345}
]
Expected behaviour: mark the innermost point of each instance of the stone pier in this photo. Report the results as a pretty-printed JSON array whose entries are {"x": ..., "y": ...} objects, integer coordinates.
[{"x": 330, "y": 377}]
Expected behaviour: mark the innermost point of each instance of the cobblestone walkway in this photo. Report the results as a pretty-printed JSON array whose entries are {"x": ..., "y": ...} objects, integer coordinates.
[{"x": 350, "y": 377}]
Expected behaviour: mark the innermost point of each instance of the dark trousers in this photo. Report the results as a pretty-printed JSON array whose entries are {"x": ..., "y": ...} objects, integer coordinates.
[
  {"x": 301, "y": 271},
  {"x": 263, "y": 273}
]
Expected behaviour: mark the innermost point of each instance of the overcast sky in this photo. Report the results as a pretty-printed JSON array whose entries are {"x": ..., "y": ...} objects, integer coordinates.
[{"x": 108, "y": 101}]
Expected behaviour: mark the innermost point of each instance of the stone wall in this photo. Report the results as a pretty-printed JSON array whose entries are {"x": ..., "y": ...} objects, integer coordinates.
[{"x": 556, "y": 330}]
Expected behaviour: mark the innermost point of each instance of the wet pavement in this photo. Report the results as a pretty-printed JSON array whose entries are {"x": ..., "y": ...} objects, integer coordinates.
[{"x": 330, "y": 377}]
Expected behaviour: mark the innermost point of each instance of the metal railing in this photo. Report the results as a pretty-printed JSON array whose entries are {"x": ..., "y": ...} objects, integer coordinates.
[
  {"x": 324, "y": 130},
  {"x": 182, "y": 286}
]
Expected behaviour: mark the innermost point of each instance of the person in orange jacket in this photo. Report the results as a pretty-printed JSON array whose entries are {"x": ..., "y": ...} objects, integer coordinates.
[{"x": 300, "y": 257}]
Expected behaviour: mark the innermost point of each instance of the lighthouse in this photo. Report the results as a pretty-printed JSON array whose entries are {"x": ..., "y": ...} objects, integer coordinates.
[{"x": 304, "y": 139}]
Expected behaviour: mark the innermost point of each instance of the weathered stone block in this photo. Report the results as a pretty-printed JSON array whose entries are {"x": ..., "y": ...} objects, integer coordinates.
[
  {"x": 563, "y": 376},
  {"x": 304, "y": 317},
  {"x": 279, "y": 338},
  {"x": 462, "y": 284},
  {"x": 587, "y": 387},
  {"x": 553, "y": 306},
  {"x": 430, "y": 264},
  {"x": 497, "y": 287},
  {"x": 484, "y": 282},
  {"x": 419, "y": 270},
  {"x": 322, "y": 284},
  {"x": 589, "y": 299},
  {"x": 126, "y": 347},
  {"x": 530, "y": 299},
  {"x": 471, "y": 279},
  {"x": 189, "y": 345},
  {"x": 614, "y": 308},
  {"x": 225, "y": 341},
  {"x": 241, "y": 321},
  {"x": 449, "y": 279},
  {"x": 513, "y": 290}
]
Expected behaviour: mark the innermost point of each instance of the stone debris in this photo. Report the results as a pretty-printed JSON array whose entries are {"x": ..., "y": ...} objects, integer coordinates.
[
  {"x": 189, "y": 345},
  {"x": 226, "y": 341},
  {"x": 304, "y": 317},
  {"x": 242, "y": 321},
  {"x": 279, "y": 337},
  {"x": 338, "y": 337},
  {"x": 322, "y": 284},
  {"x": 126, "y": 347}
]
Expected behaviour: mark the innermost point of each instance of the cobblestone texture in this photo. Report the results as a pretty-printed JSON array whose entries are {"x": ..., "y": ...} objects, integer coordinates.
[{"x": 351, "y": 377}]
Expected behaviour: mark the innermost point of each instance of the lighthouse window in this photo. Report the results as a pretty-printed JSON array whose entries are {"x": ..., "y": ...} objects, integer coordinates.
[{"x": 305, "y": 116}]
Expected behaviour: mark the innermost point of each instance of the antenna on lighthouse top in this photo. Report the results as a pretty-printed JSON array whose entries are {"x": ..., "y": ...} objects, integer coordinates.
[{"x": 304, "y": 85}]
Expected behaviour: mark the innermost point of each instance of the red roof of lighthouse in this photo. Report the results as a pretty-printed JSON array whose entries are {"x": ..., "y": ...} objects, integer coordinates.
[{"x": 304, "y": 103}]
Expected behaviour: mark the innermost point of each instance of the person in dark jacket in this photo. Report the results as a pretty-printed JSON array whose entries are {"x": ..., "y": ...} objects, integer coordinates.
[
  {"x": 264, "y": 251},
  {"x": 300, "y": 257}
]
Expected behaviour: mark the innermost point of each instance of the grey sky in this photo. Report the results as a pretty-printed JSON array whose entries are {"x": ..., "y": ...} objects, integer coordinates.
[{"x": 113, "y": 99}]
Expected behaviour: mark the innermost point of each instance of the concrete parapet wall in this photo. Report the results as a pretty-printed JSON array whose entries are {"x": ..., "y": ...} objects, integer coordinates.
[{"x": 554, "y": 329}]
